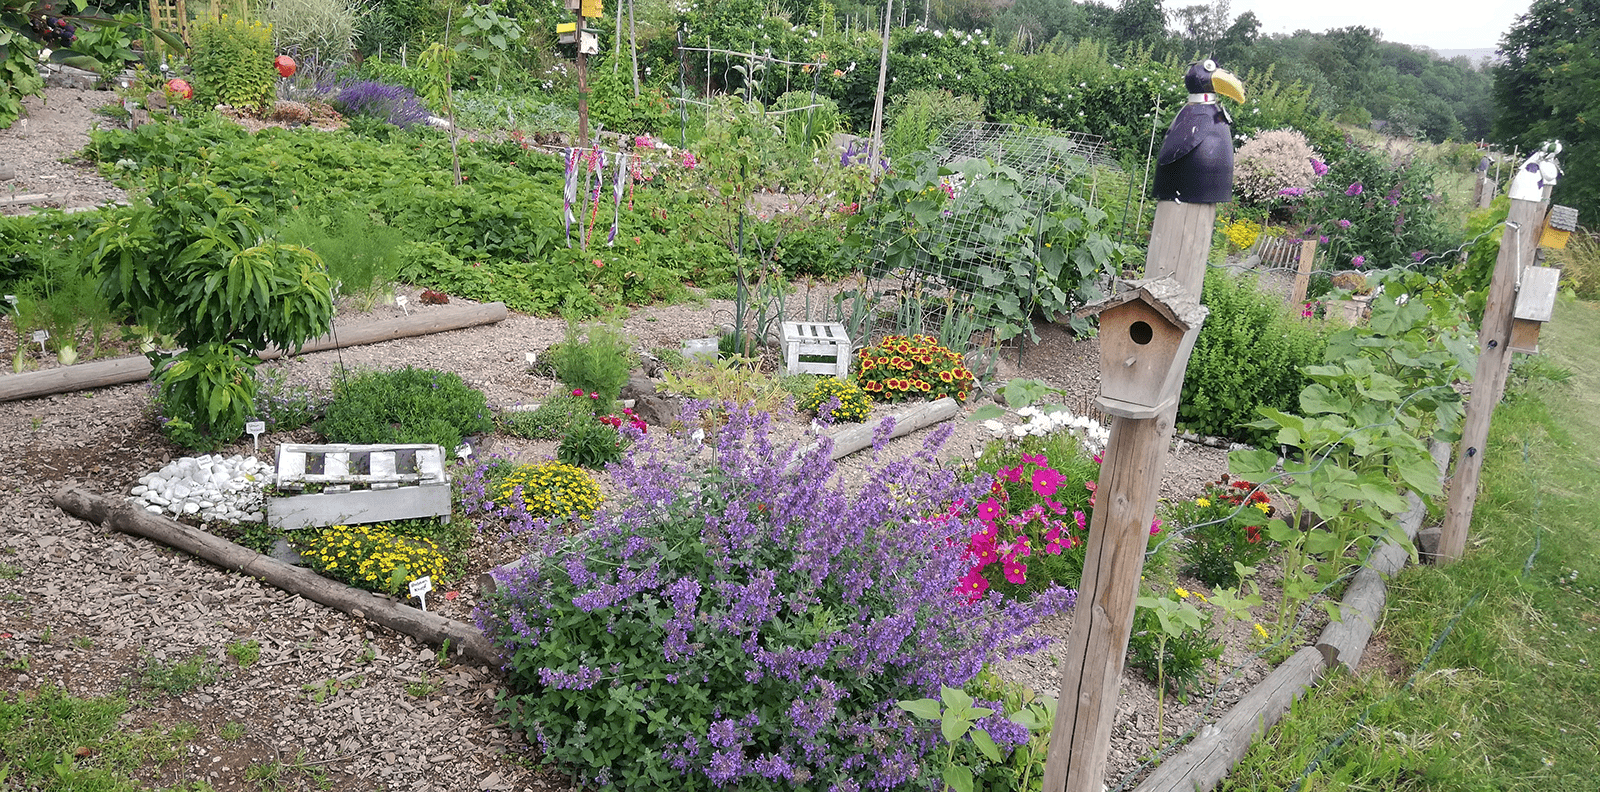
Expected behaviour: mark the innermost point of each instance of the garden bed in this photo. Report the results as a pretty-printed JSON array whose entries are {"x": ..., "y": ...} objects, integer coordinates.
[{"x": 106, "y": 439}]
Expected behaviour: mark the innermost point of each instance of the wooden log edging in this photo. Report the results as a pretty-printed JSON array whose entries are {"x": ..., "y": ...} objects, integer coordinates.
[
  {"x": 1206, "y": 760},
  {"x": 134, "y": 368},
  {"x": 465, "y": 639}
]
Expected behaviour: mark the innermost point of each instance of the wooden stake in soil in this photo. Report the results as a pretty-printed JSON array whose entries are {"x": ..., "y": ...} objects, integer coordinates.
[
  {"x": 1302, "y": 276},
  {"x": 1518, "y": 243},
  {"x": 1195, "y": 164}
]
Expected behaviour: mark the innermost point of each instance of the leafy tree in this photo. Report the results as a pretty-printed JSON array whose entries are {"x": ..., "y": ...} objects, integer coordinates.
[
  {"x": 1548, "y": 86},
  {"x": 1139, "y": 22}
]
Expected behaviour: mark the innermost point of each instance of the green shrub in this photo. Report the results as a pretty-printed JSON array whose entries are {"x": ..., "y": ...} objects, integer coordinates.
[
  {"x": 554, "y": 490},
  {"x": 591, "y": 444},
  {"x": 594, "y": 358},
  {"x": 854, "y": 403},
  {"x": 372, "y": 557},
  {"x": 1224, "y": 525},
  {"x": 324, "y": 30},
  {"x": 408, "y": 405},
  {"x": 552, "y": 419},
  {"x": 232, "y": 63},
  {"x": 1248, "y": 356},
  {"x": 363, "y": 257}
]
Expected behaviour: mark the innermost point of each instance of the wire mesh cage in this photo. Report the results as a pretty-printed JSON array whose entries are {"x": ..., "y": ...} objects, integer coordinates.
[{"x": 988, "y": 240}]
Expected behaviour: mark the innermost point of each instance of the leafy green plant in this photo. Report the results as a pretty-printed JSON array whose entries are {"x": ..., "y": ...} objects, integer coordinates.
[
  {"x": 362, "y": 256},
  {"x": 916, "y": 117},
  {"x": 488, "y": 38},
  {"x": 285, "y": 402},
  {"x": 177, "y": 677},
  {"x": 232, "y": 62},
  {"x": 732, "y": 380},
  {"x": 1249, "y": 355},
  {"x": 1170, "y": 645},
  {"x": 853, "y": 403},
  {"x": 957, "y": 716},
  {"x": 595, "y": 358},
  {"x": 408, "y": 405},
  {"x": 591, "y": 444},
  {"x": 375, "y": 558},
  {"x": 552, "y": 419},
  {"x": 245, "y": 653},
  {"x": 195, "y": 263}
]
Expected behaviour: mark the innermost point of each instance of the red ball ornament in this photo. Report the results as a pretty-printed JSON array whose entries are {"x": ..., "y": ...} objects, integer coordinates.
[
  {"x": 180, "y": 88},
  {"x": 285, "y": 65}
]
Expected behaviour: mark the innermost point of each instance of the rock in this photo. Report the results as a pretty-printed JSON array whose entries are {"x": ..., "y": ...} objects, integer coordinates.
[
  {"x": 638, "y": 385},
  {"x": 655, "y": 410},
  {"x": 1428, "y": 544}
]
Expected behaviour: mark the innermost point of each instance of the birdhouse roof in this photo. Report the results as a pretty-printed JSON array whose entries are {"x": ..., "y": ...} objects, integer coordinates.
[
  {"x": 1165, "y": 295},
  {"x": 1563, "y": 218}
]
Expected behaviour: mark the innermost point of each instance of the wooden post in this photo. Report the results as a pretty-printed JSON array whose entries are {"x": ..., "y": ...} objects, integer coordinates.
[
  {"x": 875, "y": 144},
  {"x": 1130, "y": 477},
  {"x": 1518, "y": 243},
  {"x": 583, "y": 84},
  {"x": 1302, "y": 276}
]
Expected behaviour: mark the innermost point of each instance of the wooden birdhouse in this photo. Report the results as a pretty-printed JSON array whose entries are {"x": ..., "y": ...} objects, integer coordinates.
[
  {"x": 1536, "y": 299},
  {"x": 1563, "y": 220},
  {"x": 1146, "y": 335}
]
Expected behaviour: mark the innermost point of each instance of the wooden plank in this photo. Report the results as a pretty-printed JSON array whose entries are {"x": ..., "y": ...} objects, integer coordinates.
[
  {"x": 1517, "y": 243},
  {"x": 1302, "y": 275},
  {"x": 1536, "y": 298},
  {"x": 391, "y": 479},
  {"x": 906, "y": 421},
  {"x": 1206, "y": 760},
  {"x": 291, "y": 466},
  {"x": 358, "y": 506},
  {"x": 383, "y": 474},
  {"x": 33, "y": 198},
  {"x": 353, "y": 448}
]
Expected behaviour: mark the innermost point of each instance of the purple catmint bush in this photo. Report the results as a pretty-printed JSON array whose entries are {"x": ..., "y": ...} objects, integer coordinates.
[{"x": 735, "y": 617}]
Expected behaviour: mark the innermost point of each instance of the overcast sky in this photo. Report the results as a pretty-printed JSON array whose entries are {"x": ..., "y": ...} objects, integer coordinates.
[{"x": 1438, "y": 24}]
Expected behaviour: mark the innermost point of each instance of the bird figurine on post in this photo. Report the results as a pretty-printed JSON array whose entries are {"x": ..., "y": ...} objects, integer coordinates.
[{"x": 1196, "y": 160}]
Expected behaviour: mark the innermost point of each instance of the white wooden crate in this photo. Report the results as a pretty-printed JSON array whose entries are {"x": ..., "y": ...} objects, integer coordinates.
[
  {"x": 816, "y": 339},
  {"x": 359, "y": 484}
]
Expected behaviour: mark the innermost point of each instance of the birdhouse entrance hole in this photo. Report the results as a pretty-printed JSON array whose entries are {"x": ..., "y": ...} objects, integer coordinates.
[{"x": 1141, "y": 333}]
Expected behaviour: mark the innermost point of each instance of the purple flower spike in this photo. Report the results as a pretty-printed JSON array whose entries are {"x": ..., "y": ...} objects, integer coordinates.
[
  {"x": 1322, "y": 240},
  {"x": 1344, "y": 223},
  {"x": 1353, "y": 190},
  {"x": 1318, "y": 167}
]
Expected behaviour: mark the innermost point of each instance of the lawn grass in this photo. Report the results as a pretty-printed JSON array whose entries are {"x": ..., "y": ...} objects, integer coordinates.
[
  {"x": 1510, "y": 698},
  {"x": 52, "y": 741}
]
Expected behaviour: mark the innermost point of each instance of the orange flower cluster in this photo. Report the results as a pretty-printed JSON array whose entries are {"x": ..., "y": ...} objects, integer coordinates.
[{"x": 905, "y": 367}]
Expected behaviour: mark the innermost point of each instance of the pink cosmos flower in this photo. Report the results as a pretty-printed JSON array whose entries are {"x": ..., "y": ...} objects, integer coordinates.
[
  {"x": 1358, "y": 261},
  {"x": 973, "y": 585},
  {"x": 989, "y": 511},
  {"x": 1046, "y": 480},
  {"x": 1083, "y": 523},
  {"x": 1155, "y": 527},
  {"x": 577, "y": 392},
  {"x": 1017, "y": 572},
  {"x": 1034, "y": 459}
]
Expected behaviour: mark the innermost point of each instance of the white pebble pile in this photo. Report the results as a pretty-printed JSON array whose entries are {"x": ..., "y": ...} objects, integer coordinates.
[{"x": 211, "y": 487}]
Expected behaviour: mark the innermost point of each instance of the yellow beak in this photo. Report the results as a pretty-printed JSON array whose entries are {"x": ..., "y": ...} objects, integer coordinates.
[{"x": 1228, "y": 85}]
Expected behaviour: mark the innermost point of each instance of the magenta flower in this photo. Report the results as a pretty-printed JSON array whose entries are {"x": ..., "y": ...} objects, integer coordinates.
[
  {"x": 1353, "y": 190},
  {"x": 1292, "y": 192},
  {"x": 1344, "y": 223},
  {"x": 1155, "y": 527},
  {"x": 1083, "y": 524},
  {"x": 1046, "y": 480},
  {"x": 577, "y": 391},
  {"x": 1017, "y": 572},
  {"x": 1322, "y": 240},
  {"x": 1318, "y": 167},
  {"x": 1034, "y": 459},
  {"x": 1358, "y": 261},
  {"x": 990, "y": 510}
]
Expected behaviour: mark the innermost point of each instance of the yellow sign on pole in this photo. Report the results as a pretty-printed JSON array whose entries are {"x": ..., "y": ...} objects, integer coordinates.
[
  {"x": 567, "y": 27},
  {"x": 593, "y": 8}
]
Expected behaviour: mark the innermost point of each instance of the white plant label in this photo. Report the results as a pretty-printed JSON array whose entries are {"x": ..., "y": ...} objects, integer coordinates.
[
  {"x": 403, "y": 301},
  {"x": 39, "y": 337},
  {"x": 255, "y": 430},
  {"x": 420, "y": 588},
  {"x": 464, "y": 450},
  {"x": 12, "y": 299}
]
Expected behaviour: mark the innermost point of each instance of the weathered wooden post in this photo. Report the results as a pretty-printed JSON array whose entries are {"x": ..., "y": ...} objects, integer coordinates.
[
  {"x": 1530, "y": 194},
  {"x": 1302, "y": 275},
  {"x": 1146, "y": 337}
]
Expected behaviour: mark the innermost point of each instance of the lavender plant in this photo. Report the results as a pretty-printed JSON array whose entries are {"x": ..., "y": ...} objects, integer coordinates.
[
  {"x": 737, "y": 618},
  {"x": 394, "y": 104}
]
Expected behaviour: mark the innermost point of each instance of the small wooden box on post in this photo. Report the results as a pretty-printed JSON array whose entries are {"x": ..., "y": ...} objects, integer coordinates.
[{"x": 1147, "y": 334}]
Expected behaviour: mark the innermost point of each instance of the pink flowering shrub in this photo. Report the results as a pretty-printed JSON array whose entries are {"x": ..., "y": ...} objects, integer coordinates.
[{"x": 1271, "y": 162}]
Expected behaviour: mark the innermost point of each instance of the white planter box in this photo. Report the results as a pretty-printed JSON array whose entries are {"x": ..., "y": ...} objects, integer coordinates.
[{"x": 389, "y": 482}]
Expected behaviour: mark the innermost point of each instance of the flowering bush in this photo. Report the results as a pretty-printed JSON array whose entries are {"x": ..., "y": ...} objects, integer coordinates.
[
  {"x": 1241, "y": 233},
  {"x": 850, "y": 402},
  {"x": 370, "y": 557},
  {"x": 548, "y": 490},
  {"x": 1270, "y": 163},
  {"x": 393, "y": 104},
  {"x": 905, "y": 367},
  {"x": 738, "y": 619},
  {"x": 1223, "y": 525},
  {"x": 1036, "y": 512}
]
